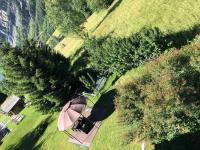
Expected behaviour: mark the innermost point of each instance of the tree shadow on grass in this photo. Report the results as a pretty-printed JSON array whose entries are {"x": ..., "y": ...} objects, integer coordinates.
[
  {"x": 109, "y": 12},
  {"x": 183, "y": 38},
  {"x": 105, "y": 105},
  {"x": 38, "y": 147},
  {"x": 183, "y": 142},
  {"x": 28, "y": 142}
]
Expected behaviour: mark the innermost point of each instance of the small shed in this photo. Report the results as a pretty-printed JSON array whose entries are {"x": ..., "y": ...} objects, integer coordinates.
[
  {"x": 13, "y": 105},
  {"x": 3, "y": 131}
]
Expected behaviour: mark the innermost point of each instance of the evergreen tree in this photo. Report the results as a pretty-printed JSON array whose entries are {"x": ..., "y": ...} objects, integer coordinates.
[{"x": 36, "y": 73}]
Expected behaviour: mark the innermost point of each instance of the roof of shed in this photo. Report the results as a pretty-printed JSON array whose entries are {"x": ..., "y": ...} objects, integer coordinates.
[{"x": 9, "y": 103}]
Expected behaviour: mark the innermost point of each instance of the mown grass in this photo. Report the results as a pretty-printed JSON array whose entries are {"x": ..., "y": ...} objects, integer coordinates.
[
  {"x": 170, "y": 16},
  {"x": 53, "y": 37},
  {"x": 32, "y": 119},
  {"x": 108, "y": 137},
  {"x": 68, "y": 46},
  {"x": 71, "y": 43},
  {"x": 129, "y": 16}
]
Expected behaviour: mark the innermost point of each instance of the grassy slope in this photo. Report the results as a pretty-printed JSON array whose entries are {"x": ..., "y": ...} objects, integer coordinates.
[
  {"x": 31, "y": 120},
  {"x": 169, "y": 16},
  {"x": 108, "y": 137},
  {"x": 71, "y": 43},
  {"x": 131, "y": 15},
  {"x": 127, "y": 18}
]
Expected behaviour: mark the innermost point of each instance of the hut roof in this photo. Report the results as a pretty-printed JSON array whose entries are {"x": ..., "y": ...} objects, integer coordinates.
[{"x": 9, "y": 103}]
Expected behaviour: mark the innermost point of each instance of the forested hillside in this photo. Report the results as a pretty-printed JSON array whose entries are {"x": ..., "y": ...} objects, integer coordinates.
[
  {"x": 32, "y": 21},
  {"x": 26, "y": 19}
]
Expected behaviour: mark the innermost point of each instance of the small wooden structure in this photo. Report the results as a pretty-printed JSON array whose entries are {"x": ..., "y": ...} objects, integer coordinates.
[{"x": 13, "y": 105}]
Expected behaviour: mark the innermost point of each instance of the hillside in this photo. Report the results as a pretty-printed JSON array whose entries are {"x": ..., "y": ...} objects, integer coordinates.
[
  {"x": 178, "y": 21},
  {"x": 175, "y": 18},
  {"x": 22, "y": 19}
]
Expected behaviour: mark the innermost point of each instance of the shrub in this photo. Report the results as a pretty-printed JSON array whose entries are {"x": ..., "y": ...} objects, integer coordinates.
[
  {"x": 163, "y": 101},
  {"x": 117, "y": 55},
  {"x": 96, "y": 5},
  {"x": 67, "y": 14}
]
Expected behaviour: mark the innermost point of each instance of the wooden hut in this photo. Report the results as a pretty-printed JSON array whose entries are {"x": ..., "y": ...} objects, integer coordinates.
[{"x": 13, "y": 105}]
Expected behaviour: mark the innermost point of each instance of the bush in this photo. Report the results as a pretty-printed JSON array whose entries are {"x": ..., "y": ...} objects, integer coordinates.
[
  {"x": 67, "y": 14},
  {"x": 163, "y": 101},
  {"x": 117, "y": 55},
  {"x": 96, "y": 5}
]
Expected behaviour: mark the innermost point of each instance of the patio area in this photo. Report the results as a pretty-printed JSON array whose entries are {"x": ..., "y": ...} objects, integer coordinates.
[
  {"x": 85, "y": 139},
  {"x": 80, "y": 122}
]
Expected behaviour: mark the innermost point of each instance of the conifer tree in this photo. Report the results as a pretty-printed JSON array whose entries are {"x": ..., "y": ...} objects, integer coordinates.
[{"x": 36, "y": 73}]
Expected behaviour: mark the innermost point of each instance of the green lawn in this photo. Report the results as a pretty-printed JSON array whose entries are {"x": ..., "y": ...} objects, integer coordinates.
[
  {"x": 25, "y": 136},
  {"x": 69, "y": 45},
  {"x": 121, "y": 19},
  {"x": 170, "y": 16},
  {"x": 31, "y": 121},
  {"x": 129, "y": 16}
]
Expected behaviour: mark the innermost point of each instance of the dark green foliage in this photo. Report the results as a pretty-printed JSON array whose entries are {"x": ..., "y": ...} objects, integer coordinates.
[
  {"x": 33, "y": 24},
  {"x": 163, "y": 101},
  {"x": 80, "y": 68},
  {"x": 2, "y": 97},
  {"x": 46, "y": 30},
  {"x": 40, "y": 28},
  {"x": 96, "y": 5},
  {"x": 20, "y": 36},
  {"x": 88, "y": 81},
  {"x": 39, "y": 14},
  {"x": 38, "y": 74},
  {"x": 23, "y": 16},
  {"x": 189, "y": 141},
  {"x": 67, "y": 14},
  {"x": 117, "y": 55}
]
